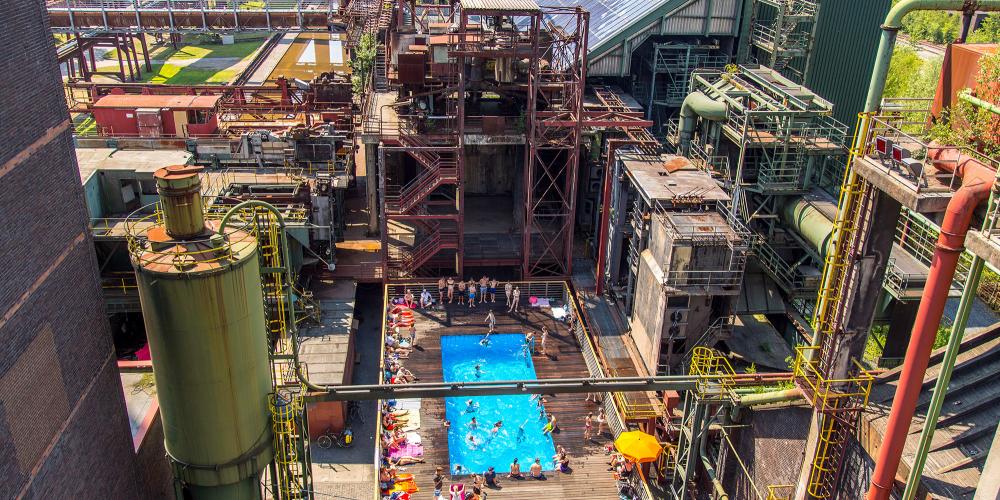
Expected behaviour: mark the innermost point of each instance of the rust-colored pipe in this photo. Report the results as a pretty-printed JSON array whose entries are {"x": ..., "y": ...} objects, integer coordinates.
[{"x": 977, "y": 180}]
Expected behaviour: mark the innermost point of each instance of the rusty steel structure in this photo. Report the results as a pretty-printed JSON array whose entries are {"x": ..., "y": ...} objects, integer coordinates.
[
  {"x": 325, "y": 101},
  {"x": 551, "y": 93},
  {"x": 191, "y": 16}
]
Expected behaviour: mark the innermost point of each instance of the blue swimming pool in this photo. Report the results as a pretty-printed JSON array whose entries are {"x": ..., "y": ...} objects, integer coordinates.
[{"x": 503, "y": 358}]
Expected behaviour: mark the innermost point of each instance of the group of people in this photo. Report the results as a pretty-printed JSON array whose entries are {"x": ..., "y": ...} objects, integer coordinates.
[{"x": 471, "y": 292}]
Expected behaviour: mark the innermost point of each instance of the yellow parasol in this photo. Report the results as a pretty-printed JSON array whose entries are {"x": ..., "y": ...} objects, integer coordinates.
[{"x": 638, "y": 446}]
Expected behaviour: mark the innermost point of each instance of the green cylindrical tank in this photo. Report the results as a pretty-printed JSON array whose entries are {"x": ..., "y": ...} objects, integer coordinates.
[
  {"x": 203, "y": 308},
  {"x": 807, "y": 219}
]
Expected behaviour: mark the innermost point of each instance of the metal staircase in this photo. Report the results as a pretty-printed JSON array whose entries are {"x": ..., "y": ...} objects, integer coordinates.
[
  {"x": 781, "y": 31},
  {"x": 381, "y": 77}
]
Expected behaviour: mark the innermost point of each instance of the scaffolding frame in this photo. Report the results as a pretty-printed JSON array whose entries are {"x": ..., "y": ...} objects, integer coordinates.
[{"x": 781, "y": 35}]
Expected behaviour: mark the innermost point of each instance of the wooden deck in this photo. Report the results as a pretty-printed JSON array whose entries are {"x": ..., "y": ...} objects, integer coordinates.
[{"x": 589, "y": 478}]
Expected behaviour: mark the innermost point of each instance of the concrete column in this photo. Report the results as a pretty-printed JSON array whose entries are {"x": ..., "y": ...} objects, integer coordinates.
[
  {"x": 989, "y": 481},
  {"x": 903, "y": 314}
]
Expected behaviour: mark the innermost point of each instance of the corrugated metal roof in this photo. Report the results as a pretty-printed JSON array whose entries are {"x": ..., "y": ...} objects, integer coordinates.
[
  {"x": 157, "y": 101},
  {"x": 609, "y": 17},
  {"x": 500, "y": 5}
]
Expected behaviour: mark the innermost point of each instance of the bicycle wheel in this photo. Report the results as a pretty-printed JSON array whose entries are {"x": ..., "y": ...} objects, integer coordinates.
[{"x": 324, "y": 442}]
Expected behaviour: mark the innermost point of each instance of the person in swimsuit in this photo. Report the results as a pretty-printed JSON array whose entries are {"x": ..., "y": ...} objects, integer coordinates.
[
  {"x": 451, "y": 289},
  {"x": 461, "y": 292},
  {"x": 588, "y": 428},
  {"x": 472, "y": 294},
  {"x": 483, "y": 283},
  {"x": 536, "y": 469},
  {"x": 492, "y": 289},
  {"x": 508, "y": 289},
  {"x": 515, "y": 296},
  {"x": 545, "y": 336},
  {"x": 491, "y": 321},
  {"x": 515, "y": 470},
  {"x": 442, "y": 286}
]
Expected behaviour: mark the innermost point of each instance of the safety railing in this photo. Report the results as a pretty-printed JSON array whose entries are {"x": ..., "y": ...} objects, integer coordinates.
[
  {"x": 718, "y": 374},
  {"x": 124, "y": 283},
  {"x": 715, "y": 165},
  {"x": 891, "y": 149},
  {"x": 780, "y": 492},
  {"x": 918, "y": 235},
  {"x": 830, "y": 394},
  {"x": 209, "y": 250},
  {"x": 787, "y": 275}
]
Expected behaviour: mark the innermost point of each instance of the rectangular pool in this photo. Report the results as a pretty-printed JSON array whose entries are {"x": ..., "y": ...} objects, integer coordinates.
[{"x": 505, "y": 357}]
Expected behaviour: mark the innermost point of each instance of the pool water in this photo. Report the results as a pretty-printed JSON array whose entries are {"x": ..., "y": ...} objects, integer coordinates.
[{"x": 505, "y": 357}]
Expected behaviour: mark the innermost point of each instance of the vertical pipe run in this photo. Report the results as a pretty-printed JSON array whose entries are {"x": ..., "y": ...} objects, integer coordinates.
[
  {"x": 977, "y": 180},
  {"x": 957, "y": 331},
  {"x": 889, "y": 455}
]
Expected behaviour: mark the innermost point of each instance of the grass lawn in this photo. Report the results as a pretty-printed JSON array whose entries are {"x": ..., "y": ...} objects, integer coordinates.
[
  {"x": 238, "y": 49},
  {"x": 181, "y": 75}
]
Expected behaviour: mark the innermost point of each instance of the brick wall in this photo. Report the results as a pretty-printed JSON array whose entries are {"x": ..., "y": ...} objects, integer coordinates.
[{"x": 63, "y": 428}]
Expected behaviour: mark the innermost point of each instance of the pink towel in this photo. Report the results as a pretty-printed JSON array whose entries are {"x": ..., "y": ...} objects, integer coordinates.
[{"x": 409, "y": 450}]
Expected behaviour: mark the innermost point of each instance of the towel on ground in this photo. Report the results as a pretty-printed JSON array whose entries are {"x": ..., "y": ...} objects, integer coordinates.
[
  {"x": 558, "y": 312},
  {"x": 412, "y": 422},
  {"x": 408, "y": 450},
  {"x": 541, "y": 302},
  {"x": 413, "y": 438},
  {"x": 408, "y": 404}
]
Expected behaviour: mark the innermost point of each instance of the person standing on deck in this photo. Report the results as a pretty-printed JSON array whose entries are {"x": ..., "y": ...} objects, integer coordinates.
[
  {"x": 491, "y": 321},
  {"x": 442, "y": 285},
  {"x": 438, "y": 478},
  {"x": 493, "y": 290},
  {"x": 601, "y": 422},
  {"x": 588, "y": 426},
  {"x": 515, "y": 296},
  {"x": 472, "y": 294},
  {"x": 508, "y": 289},
  {"x": 545, "y": 336},
  {"x": 483, "y": 283},
  {"x": 461, "y": 292},
  {"x": 451, "y": 289}
]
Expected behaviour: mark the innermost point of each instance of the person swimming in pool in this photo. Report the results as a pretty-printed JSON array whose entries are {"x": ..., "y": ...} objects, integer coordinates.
[
  {"x": 497, "y": 426},
  {"x": 479, "y": 371},
  {"x": 473, "y": 424},
  {"x": 471, "y": 406}
]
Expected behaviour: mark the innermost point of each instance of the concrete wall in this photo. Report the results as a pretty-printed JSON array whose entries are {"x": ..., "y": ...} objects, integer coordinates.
[
  {"x": 647, "y": 317},
  {"x": 493, "y": 170},
  {"x": 64, "y": 432}
]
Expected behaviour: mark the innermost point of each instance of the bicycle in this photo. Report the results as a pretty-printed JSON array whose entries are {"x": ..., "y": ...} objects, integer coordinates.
[
  {"x": 354, "y": 414},
  {"x": 330, "y": 438}
]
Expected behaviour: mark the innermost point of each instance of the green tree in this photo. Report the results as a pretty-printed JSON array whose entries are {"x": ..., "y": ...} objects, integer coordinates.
[
  {"x": 968, "y": 125},
  {"x": 905, "y": 64},
  {"x": 363, "y": 62},
  {"x": 988, "y": 31}
]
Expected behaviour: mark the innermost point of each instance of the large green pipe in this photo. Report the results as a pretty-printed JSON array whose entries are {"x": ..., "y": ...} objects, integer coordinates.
[
  {"x": 802, "y": 215},
  {"x": 966, "y": 95},
  {"x": 204, "y": 313},
  {"x": 697, "y": 104}
]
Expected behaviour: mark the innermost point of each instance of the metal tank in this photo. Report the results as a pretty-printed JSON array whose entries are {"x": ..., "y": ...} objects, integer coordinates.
[{"x": 204, "y": 313}]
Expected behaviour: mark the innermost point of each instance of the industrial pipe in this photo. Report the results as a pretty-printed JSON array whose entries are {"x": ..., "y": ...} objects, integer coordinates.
[
  {"x": 802, "y": 215},
  {"x": 955, "y": 338},
  {"x": 697, "y": 104},
  {"x": 719, "y": 489},
  {"x": 766, "y": 398},
  {"x": 966, "y": 95},
  {"x": 977, "y": 180}
]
